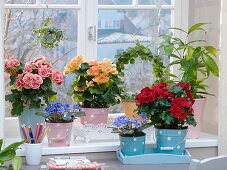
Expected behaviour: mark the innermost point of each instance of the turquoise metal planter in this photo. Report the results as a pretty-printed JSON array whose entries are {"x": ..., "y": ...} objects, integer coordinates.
[
  {"x": 130, "y": 146},
  {"x": 28, "y": 117},
  {"x": 171, "y": 141}
]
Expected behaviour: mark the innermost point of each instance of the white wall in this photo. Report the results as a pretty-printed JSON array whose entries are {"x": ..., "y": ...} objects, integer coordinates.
[
  {"x": 222, "y": 149},
  {"x": 208, "y": 11}
]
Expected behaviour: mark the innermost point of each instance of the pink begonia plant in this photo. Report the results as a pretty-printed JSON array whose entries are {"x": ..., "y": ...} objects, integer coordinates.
[{"x": 31, "y": 82}]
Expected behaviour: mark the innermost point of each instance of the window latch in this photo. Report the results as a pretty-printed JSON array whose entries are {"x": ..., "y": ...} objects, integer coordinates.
[{"x": 92, "y": 33}]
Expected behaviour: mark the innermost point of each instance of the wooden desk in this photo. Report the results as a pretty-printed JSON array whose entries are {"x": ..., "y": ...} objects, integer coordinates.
[{"x": 115, "y": 164}]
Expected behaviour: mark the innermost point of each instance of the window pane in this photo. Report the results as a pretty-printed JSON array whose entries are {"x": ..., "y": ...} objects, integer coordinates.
[
  {"x": 60, "y": 1},
  {"x": 155, "y": 2},
  {"x": 115, "y": 2},
  {"x": 118, "y": 29},
  {"x": 19, "y": 37},
  {"x": 19, "y": 1}
]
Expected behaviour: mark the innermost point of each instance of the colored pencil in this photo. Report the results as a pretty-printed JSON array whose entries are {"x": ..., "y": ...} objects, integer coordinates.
[
  {"x": 40, "y": 130},
  {"x": 31, "y": 134},
  {"x": 44, "y": 134},
  {"x": 41, "y": 135},
  {"x": 25, "y": 132},
  {"x": 36, "y": 132}
]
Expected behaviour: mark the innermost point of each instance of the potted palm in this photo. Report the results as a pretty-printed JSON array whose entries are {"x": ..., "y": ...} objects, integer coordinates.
[
  {"x": 95, "y": 89},
  {"x": 31, "y": 87},
  {"x": 196, "y": 64},
  {"x": 169, "y": 109},
  {"x": 59, "y": 119},
  {"x": 131, "y": 135}
]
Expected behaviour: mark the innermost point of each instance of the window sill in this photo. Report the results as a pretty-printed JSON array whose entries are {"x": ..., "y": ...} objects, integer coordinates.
[{"x": 206, "y": 140}]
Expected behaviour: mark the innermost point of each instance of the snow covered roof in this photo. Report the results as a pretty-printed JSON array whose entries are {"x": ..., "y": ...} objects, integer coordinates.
[{"x": 118, "y": 37}]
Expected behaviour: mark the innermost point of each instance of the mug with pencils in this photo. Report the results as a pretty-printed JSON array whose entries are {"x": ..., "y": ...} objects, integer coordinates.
[{"x": 33, "y": 148}]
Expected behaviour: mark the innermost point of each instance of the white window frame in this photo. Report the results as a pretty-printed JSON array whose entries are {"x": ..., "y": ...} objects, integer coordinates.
[{"x": 87, "y": 16}]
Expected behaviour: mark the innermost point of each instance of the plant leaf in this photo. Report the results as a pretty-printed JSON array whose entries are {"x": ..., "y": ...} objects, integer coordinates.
[
  {"x": 195, "y": 41},
  {"x": 1, "y": 142},
  {"x": 175, "y": 28},
  {"x": 211, "y": 64},
  {"x": 17, "y": 163},
  {"x": 211, "y": 50},
  {"x": 196, "y": 27}
]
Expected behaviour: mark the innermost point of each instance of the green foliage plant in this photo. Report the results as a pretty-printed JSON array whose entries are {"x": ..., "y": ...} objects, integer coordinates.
[
  {"x": 9, "y": 153},
  {"x": 196, "y": 61},
  {"x": 129, "y": 56},
  {"x": 48, "y": 36},
  {"x": 96, "y": 84}
]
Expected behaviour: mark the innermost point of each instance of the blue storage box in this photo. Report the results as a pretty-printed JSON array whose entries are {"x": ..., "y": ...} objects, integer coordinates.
[{"x": 151, "y": 156}]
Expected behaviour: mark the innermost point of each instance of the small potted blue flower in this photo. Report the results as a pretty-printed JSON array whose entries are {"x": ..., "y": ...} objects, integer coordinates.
[
  {"x": 59, "y": 119},
  {"x": 131, "y": 135}
]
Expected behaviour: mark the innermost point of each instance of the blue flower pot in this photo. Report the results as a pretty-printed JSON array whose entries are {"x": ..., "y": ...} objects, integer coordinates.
[
  {"x": 28, "y": 117},
  {"x": 130, "y": 146},
  {"x": 171, "y": 141}
]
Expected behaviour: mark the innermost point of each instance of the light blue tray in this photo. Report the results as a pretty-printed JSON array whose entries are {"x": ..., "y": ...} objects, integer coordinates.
[{"x": 152, "y": 157}]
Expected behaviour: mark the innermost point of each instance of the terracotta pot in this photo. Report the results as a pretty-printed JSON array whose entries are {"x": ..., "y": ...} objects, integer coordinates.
[
  {"x": 129, "y": 108},
  {"x": 59, "y": 134},
  {"x": 198, "y": 107},
  {"x": 95, "y": 116}
]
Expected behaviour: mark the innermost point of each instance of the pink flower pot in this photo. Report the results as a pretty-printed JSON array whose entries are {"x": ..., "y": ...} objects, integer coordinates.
[
  {"x": 59, "y": 134},
  {"x": 198, "y": 107},
  {"x": 95, "y": 116}
]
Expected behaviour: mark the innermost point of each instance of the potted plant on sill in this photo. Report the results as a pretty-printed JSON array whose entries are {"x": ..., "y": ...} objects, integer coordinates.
[
  {"x": 131, "y": 135},
  {"x": 59, "y": 120},
  {"x": 95, "y": 89},
  {"x": 196, "y": 64},
  {"x": 31, "y": 84},
  {"x": 129, "y": 56},
  {"x": 170, "y": 110}
]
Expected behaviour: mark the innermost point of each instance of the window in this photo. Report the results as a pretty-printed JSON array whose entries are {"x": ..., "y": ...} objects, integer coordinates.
[{"x": 119, "y": 23}]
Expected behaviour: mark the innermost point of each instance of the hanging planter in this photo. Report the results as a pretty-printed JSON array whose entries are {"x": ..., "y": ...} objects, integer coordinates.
[{"x": 48, "y": 36}]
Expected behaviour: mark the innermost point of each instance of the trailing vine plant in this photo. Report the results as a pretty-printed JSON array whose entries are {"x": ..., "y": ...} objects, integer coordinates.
[
  {"x": 143, "y": 52},
  {"x": 129, "y": 56},
  {"x": 48, "y": 36}
]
